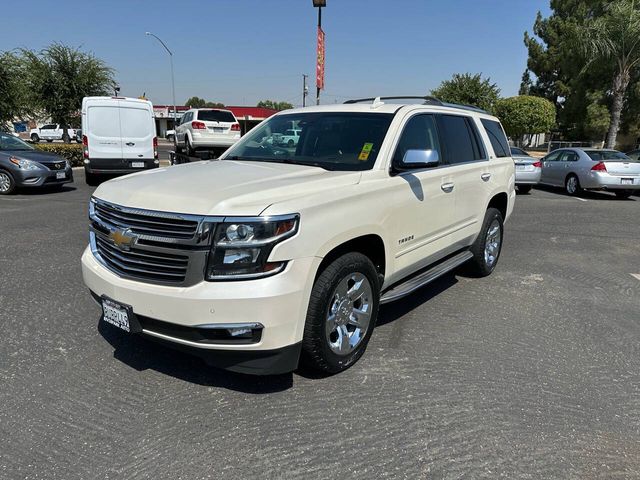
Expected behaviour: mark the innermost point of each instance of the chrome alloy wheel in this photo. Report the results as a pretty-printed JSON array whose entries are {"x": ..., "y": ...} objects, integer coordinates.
[
  {"x": 5, "y": 182},
  {"x": 492, "y": 243},
  {"x": 572, "y": 185},
  {"x": 349, "y": 313}
]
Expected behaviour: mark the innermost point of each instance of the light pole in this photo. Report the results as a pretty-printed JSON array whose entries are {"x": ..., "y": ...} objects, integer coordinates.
[
  {"x": 319, "y": 4},
  {"x": 173, "y": 84},
  {"x": 305, "y": 90}
]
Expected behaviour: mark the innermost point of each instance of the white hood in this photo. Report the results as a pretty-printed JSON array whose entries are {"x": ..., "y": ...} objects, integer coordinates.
[{"x": 224, "y": 187}]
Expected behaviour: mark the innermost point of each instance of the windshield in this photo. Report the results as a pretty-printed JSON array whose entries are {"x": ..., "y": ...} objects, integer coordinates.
[
  {"x": 330, "y": 140},
  {"x": 9, "y": 142},
  {"x": 608, "y": 155}
]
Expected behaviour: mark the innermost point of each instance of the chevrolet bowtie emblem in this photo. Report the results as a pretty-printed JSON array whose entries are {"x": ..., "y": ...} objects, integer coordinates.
[{"x": 123, "y": 239}]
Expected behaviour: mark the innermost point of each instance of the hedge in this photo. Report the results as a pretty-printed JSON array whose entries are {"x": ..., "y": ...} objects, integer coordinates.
[{"x": 70, "y": 151}]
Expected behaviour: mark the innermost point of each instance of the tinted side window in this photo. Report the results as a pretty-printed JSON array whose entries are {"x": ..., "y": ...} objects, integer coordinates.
[
  {"x": 459, "y": 139},
  {"x": 419, "y": 133},
  {"x": 496, "y": 137}
]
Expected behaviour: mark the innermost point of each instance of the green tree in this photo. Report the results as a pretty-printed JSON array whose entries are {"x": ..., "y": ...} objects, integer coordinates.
[
  {"x": 525, "y": 115},
  {"x": 275, "y": 105},
  {"x": 197, "y": 102},
  {"x": 59, "y": 77},
  {"x": 613, "y": 37},
  {"x": 13, "y": 102},
  {"x": 468, "y": 89}
]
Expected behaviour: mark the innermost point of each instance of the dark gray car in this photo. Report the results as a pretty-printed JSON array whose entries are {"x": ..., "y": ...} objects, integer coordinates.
[{"x": 21, "y": 165}]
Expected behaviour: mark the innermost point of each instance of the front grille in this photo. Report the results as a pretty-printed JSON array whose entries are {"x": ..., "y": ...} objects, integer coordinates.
[
  {"x": 56, "y": 165},
  {"x": 155, "y": 224},
  {"x": 142, "y": 264}
]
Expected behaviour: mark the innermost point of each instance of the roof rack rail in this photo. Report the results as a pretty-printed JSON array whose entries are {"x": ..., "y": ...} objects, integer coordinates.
[
  {"x": 427, "y": 99},
  {"x": 465, "y": 107}
]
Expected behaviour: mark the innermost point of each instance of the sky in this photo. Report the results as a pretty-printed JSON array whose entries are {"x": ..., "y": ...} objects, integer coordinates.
[{"x": 239, "y": 52}]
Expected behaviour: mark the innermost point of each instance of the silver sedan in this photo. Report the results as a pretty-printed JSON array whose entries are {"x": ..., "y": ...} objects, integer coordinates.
[
  {"x": 528, "y": 169},
  {"x": 578, "y": 169}
]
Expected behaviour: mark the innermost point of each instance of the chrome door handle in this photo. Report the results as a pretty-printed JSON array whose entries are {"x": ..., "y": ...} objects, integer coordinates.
[
  {"x": 485, "y": 176},
  {"x": 447, "y": 187},
  {"x": 130, "y": 144}
]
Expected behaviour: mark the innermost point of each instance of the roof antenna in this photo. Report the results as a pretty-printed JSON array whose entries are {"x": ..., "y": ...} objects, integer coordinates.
[{"x": 377, "y": 102}]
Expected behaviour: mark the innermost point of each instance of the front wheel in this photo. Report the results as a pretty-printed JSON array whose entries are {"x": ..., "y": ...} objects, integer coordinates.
[
  {"x": 35, "y": 138},
  {"x": 91, "y": 179},
  {"x": 487, "y": 247},
  {"x": 342, "y": 313},
  {"x": 7, "y": 184}
]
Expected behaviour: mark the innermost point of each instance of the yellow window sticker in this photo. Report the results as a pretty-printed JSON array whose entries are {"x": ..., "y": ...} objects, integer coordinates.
[{"x": 366, "y": 150}]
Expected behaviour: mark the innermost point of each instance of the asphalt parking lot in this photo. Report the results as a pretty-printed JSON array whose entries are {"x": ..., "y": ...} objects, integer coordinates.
[{"x": 533, "y": 372}]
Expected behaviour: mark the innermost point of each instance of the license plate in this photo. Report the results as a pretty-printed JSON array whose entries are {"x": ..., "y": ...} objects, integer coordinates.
[
  {"x": 521, "y": 167},
  {"x": 626, "y": 181},
  {"x": 60, "y": 175},
  {"x": 216, "y": 129},
  {"x": 119, "y": 315},
  {"x": 137, "y": 164}
]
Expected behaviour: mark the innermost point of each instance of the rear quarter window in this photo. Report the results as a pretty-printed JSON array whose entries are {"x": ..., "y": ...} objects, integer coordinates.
[{"x": 496, "y": 137}]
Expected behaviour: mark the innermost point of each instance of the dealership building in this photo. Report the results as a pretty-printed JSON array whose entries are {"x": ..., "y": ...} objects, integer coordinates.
[{"x": 248, "y": 117}]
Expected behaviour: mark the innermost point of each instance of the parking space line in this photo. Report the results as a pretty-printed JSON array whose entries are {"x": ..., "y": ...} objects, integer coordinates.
[
  {"x": 635, "y": 275},
  {"x": 581, "y": 199}
]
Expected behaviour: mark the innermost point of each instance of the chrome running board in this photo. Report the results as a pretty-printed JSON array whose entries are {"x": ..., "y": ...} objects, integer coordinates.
[{"x": 415, "y": 282}]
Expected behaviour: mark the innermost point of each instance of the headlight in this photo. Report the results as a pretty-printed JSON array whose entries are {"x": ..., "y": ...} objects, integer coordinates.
[
  {"x": 241, "y": 248},
  {"x": 25, "y": 164}
]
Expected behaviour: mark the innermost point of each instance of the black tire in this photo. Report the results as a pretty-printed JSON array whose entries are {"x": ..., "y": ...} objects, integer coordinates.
[
  {"x": 170, "y": 138},
  {"x": 317, "y": 353},
  {"x": 482, "y": 265},
  {"x": 35, "y": 138},
  {"x": 290, "y": 143},
  {"x": 623, "y": 194},
  {"x": 92, "y": 179},
  {"x": 570, "y": 188},
  {"x": 49, "y": 141},
  {"x": 188, "y": 148},
  {"x": 524, "y": 189},
  {"x": 7, "y": 183}
]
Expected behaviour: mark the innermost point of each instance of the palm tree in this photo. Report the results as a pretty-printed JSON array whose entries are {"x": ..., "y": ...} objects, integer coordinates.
[{"x": 615, "y": 37}]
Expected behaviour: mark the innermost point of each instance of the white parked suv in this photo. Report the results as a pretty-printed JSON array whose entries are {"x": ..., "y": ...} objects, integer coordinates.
[
  {"x": 268, "y": 256},
  {"x": 51, "y": 132},
  {"x": 210, "y": 128}
]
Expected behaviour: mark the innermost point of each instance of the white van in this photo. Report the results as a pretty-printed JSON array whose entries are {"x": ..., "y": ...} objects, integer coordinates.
[{"x": 119, "y": 136}]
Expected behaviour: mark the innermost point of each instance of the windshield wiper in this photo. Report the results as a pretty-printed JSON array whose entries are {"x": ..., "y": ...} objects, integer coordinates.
[{"x": 288, "y": 161}]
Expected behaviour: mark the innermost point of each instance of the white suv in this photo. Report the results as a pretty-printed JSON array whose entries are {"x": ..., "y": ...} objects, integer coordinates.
[
  {"x": 209, "y": 128},
  {"x": 271, "y": 255}
]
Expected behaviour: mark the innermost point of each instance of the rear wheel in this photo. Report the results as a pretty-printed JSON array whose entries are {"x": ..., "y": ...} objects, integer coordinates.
[
  {"x": 49, "y": 141},
  {"x": 92, "y": 179},
  {"x": 7, "y": 184},
  {"x": 524, "y": 188},
  {"x": 35, "y": 138},
  {"x": 290, "y": 143},
  {"x": 572, "y": 185},
  {"x": 187, "y": 147},
  {"x": 342, "y": 313},
  {"x": 487, "y": 247},
  {"x": 622, "y": 194}
]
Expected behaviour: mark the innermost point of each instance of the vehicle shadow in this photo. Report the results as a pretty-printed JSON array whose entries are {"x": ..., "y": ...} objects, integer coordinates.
[
  {"x": 142, "y": 354},
  {"x": 40, "y": 191},
  {"x": 587, "y": 195}
]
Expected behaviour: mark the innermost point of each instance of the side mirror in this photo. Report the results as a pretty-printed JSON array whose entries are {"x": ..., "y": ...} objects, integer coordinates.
[{"x": 419, "y": 159}]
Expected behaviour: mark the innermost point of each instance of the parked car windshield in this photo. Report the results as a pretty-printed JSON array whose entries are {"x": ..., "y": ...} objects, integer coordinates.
[
  {"x": 330, "y": 140},
  {"x": 216, "y": 116},
  {"x": 609, "y": 155},
  {"x": 9, "y": 142}
]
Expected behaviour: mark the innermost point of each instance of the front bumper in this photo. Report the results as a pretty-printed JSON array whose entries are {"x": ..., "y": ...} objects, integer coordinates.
[
  {"x": 39, "y": 178},
  {"x": 172, "y": 314},
  {"x": 606, "y": 181}
]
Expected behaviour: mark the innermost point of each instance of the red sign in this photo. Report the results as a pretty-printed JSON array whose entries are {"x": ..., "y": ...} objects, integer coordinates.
[{"x": 320, "y": 60}]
